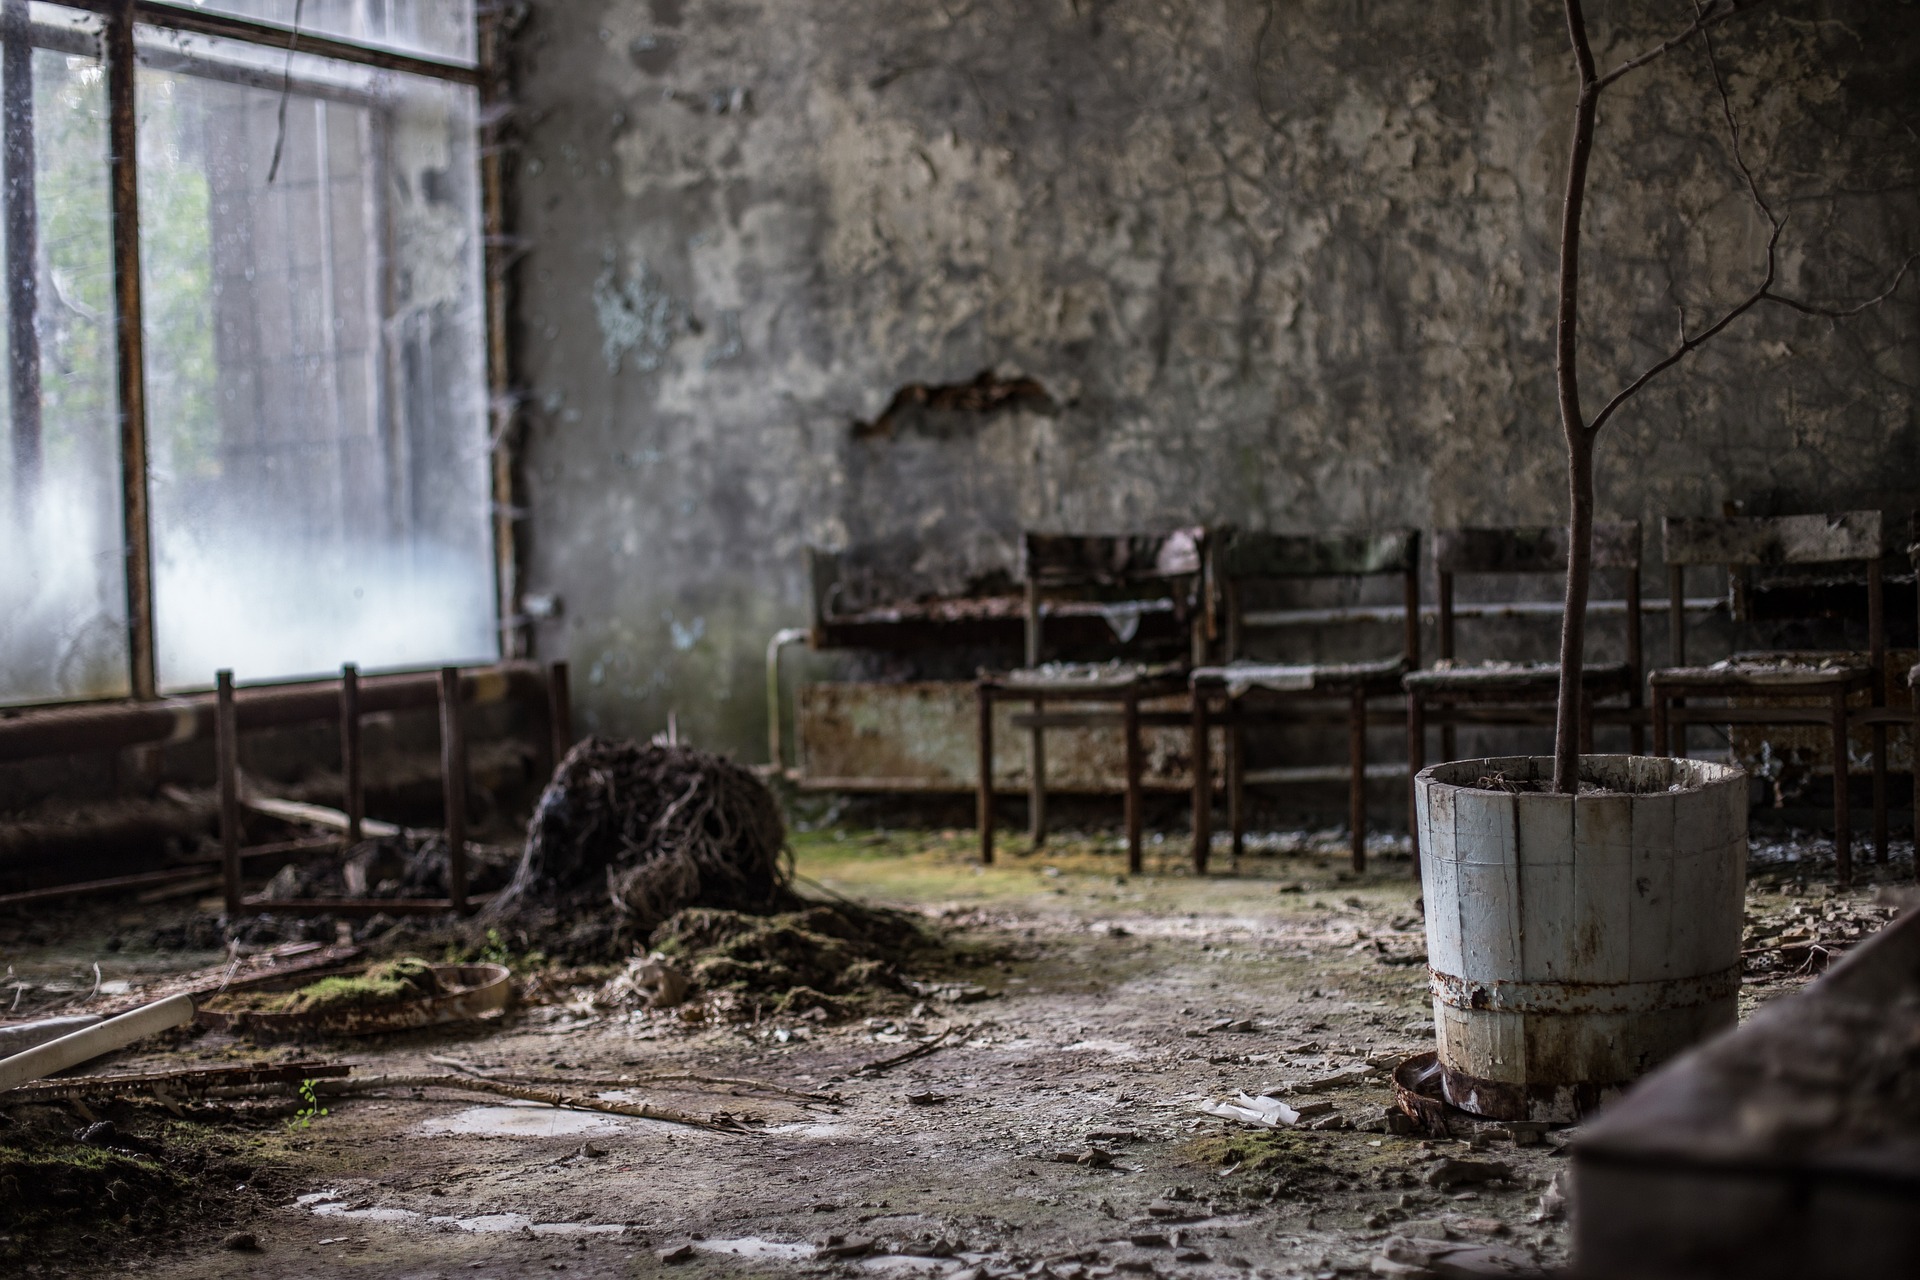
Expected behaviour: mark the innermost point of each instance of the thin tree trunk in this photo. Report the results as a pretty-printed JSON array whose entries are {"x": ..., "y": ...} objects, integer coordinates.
[{"x": 1573, "y": 623}]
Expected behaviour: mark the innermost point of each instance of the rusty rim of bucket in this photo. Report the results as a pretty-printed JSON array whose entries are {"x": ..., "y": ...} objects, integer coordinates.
[
  {"x": 1417, "y": 1091},
  {"x": 469, "y": 991}
]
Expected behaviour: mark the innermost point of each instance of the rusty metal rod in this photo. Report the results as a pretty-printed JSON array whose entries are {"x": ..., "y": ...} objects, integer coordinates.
[
  {"x": 17, "y": 177},
  {"x": 35, "y": 732},
  {"x": 365, "y": 906},
  {"x": 155, "y": 879},
  {"x": 453, "y": 781},
  {"x": 227, "y": 765},
  {"x": 560, "y": 710},
  {"x": 178, "y": 17},
  {"x": 130, "y": 351},
  {"x": 353, "y": 797}
]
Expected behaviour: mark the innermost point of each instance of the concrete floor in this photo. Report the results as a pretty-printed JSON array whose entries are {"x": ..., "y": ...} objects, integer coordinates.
[{"x": 1116, "y": 1005}]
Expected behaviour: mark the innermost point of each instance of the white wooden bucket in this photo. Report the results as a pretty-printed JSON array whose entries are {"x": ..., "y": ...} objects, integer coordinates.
[{"x": 1574, "y": 943}]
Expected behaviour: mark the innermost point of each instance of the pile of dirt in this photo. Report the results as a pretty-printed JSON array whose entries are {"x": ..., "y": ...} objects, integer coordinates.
[
  {"x": 627, "y": 834},
  {"x": 830, "y": 958},
  {"x": 132, "y": 1180}
]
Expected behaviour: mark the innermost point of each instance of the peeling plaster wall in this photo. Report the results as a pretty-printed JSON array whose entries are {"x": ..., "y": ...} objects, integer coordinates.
[{"x": 1286, "y": 265}]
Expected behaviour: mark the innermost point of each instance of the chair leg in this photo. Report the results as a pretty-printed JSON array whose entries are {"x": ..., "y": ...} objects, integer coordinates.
[
  {"x": 1842, "y": 818},
  {"x": 1662, "y": 730},
  {"x": 1416, "y": 761},
  {"x": 1236, "y": 810},
  {"x": 1037, "y": 779},
  {"x": 1202, "y": 785},
  {"x": 1132, "y": 730},
  {"x": 1880, "y": 793},
  {"x": 1357, "y": 777},
  {"x": 983, "y": 795}
]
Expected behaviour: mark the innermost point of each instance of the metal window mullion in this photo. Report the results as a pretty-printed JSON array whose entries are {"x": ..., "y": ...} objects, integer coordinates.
[
  {"x": 200, "y": 22},
  {"x": 136, "y": 513},
  {"x": 501, "y": 408}
]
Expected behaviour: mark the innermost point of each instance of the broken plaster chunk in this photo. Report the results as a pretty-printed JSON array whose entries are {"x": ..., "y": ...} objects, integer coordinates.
[{"x": 1265, "y": 1112}]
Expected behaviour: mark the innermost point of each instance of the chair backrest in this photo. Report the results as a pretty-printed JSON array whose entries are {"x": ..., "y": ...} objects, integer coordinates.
[
  {"x": 1747, "y": 541},
  {"x": 1135, "y": 566},
  {"x": 1536, "y": 549},
  {"x": 1244, "y": 555}
]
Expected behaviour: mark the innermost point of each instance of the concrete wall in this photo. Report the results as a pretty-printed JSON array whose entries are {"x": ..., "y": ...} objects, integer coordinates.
[{"x": 1289, "y": 265}]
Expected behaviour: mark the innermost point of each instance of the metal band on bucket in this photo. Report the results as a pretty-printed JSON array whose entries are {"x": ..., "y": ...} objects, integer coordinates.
[{"x": 1582, "y": 997}]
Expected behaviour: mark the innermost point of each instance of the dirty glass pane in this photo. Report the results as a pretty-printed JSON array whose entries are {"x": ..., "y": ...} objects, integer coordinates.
[
  {"x": 435, "y": 28},
  {"x": 315, "y": 365},
  {"x": 62, "y": 588}
]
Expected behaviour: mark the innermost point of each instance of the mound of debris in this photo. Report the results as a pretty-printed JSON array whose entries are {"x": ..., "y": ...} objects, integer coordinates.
[
  {"x": 822, "y": 957},
  {"x": 648, "y": 830}
]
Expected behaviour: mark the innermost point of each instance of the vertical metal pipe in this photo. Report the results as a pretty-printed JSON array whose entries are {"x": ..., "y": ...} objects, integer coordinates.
[
  {"x": 1877, "y": 656},
  {"x": 1236, "y": 753},
  {"x": 1416, "y": 761},
  {"x": 226, "y": 755},
  {"x": 1036, "y": 736},
  {"x": 1357, "y": 776},
  {"x": 23, "y": 253},
  {"x": 122, "y": 131},
  {"x": 1202, "y": 782},
  {"x": 502, "y": 411},
  {"x": 1842, "y": 815},
  {"x": 453, "y": 782},
  {"x": 1677, "y": 653},
  {"x": 983, "y": 793},
  {"x": 1636, "y": 650},
  {"x": 353, "y": 795},
  {"x": 559, "y": 710},
  {"x": 1130, "y": 725}
]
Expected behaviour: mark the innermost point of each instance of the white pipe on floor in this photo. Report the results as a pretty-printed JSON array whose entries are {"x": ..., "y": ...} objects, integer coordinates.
[
  {"x": 85, "y": 1045},
  {"x": 22, "y": 1036}
]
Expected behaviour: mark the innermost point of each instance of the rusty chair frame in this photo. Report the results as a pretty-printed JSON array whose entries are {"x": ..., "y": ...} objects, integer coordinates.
[
  {"x": 1798, "y": 687},
  {"x": 1295, "y": 693},
  {"x": 1124, "y": 570},
  {"x": 1517, "y": 694}
]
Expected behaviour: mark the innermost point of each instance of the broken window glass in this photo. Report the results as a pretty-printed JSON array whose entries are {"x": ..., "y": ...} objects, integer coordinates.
[
  {"x": 62, "y": 583},
  {"x": 316, "y": 389},
  {"x": 434, "y": 28}
]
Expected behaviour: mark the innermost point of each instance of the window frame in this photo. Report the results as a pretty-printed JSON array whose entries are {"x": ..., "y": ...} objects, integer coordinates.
[{"x": 120, "y": 18}]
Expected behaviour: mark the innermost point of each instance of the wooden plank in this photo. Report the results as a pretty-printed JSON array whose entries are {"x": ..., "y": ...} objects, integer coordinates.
[
  {"x": 1652, "y": 924},
  {"x": 1532, "y": 549},
  {"x": 1775, "y": 540},
  {"x": 1079, "y": 559},
  {"x": 1603, "y": 866},
  {"x": 1253, "y": 554}
]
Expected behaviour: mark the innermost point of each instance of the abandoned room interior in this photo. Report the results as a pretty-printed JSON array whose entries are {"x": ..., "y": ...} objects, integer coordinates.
[{"x": 974, "y": 639}]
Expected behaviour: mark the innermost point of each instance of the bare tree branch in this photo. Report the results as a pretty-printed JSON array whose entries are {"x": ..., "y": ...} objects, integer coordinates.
[
  {"x": 1704, "y": 18},
  {"x": 1841, "y": 313},
  {"x": 1689, "y": 345},
  {"x": 1716, "y": 12}
]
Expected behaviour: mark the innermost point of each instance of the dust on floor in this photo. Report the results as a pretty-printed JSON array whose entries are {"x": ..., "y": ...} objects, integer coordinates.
[{"x": 1054, "y": 1131}]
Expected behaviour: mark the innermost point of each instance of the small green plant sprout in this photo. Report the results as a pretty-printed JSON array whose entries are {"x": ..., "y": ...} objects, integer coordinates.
[{"x": 309, "y": 1108}]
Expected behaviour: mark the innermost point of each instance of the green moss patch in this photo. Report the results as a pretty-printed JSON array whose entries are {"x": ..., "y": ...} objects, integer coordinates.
[{"x": 382, "y": 986}]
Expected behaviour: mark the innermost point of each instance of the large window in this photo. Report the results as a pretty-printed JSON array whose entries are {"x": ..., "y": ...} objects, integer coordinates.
[{"x": 313, "y": 399}]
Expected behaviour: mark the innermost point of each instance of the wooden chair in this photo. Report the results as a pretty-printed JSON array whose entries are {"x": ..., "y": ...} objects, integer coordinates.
[
  {"x": 1248, "y": 692},
  {"x": 1128, "y": 575},
  {"x": 1452, "y": 693},
  {"x": 1796, "y": 687}
]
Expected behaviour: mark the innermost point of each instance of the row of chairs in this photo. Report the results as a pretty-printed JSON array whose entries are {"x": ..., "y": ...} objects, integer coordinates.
[{"x": 1212, "y": 580}]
